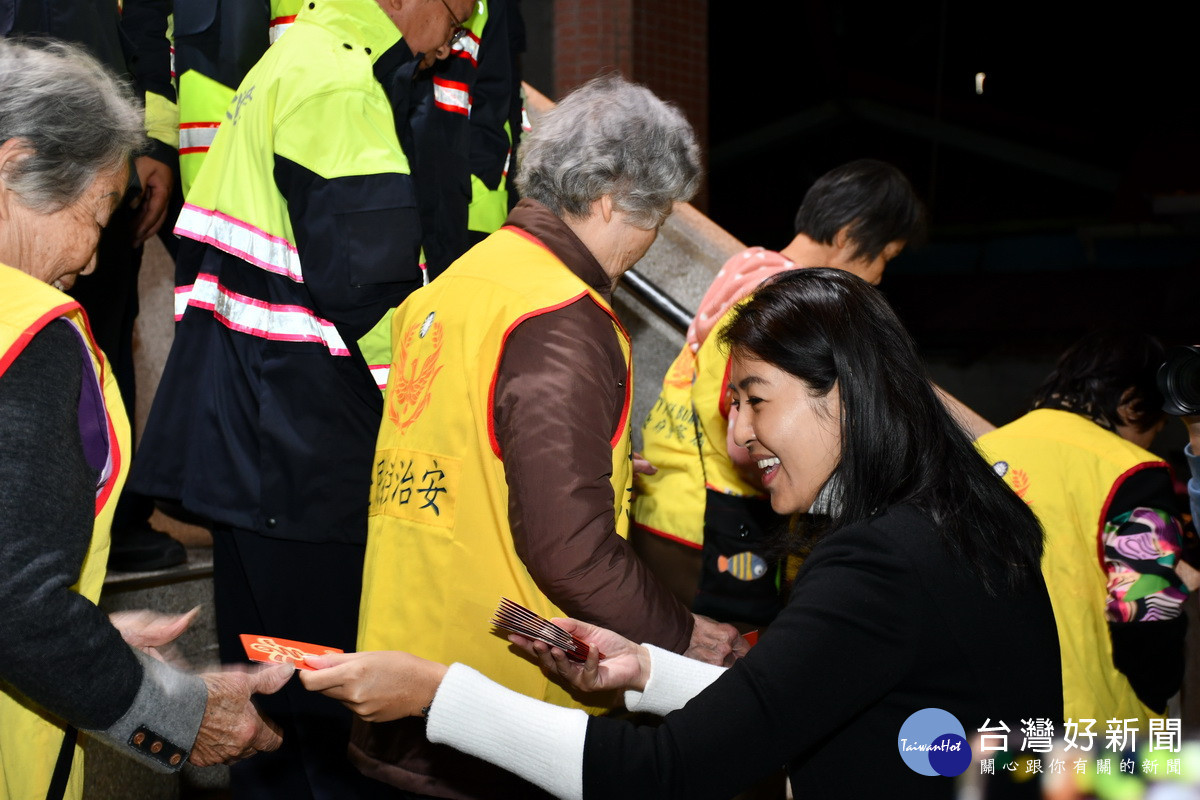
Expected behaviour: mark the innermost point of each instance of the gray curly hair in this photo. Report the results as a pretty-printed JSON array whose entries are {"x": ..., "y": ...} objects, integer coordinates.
[
  {"x": 75, "y": 116},
  {"x": 611, "y": 137}
]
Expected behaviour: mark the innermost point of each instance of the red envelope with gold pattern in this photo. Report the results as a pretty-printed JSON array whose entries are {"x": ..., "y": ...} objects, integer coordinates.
[{"x": 274, "y": 650}]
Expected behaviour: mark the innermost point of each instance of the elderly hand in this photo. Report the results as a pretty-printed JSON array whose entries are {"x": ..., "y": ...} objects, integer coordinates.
[
  {"x": 150, "y": 631},
  {"x": 232, "y": 728},
  {"x": 715, "y": 642},
  {"x": 379, "y": 685},
  {"x": 156, "y": 179},
  {"x": 625, "y": 666}
]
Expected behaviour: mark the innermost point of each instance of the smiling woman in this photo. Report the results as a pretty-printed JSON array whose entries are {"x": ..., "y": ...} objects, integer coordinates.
[
  {"x": 839, "y": 340},
  {"x": 793, "y": 434},
  {"x": 898, "y": 608}
]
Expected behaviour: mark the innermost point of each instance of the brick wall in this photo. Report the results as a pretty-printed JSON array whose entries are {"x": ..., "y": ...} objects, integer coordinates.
[{"x": 660, "y": 43}]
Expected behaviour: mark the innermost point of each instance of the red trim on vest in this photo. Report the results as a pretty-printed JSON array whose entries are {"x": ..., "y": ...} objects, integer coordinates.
[
  {"x": 627, "y": 406},
  {"x": 491, "y": 407},
  {"x": 529, "y": 236},
  {"x": 665, "y": 535},
  {"x": 25, "y": 337},
  {"x": 23, "y": 341},
  {"x": 1108, "y": 502},
  {"x": 114, "y": 449}
]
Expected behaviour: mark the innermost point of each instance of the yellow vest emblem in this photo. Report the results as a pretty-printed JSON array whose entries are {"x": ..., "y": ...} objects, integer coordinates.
[{"x": 412, "y": 375}]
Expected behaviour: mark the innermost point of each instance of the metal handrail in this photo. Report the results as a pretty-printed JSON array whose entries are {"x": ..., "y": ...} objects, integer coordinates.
[{"x": 658, "y": 301}]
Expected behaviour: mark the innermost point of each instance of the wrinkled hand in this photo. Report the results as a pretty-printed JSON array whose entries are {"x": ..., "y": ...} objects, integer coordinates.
[
  {"x": 626, "y": 665},
  {"x": 716, "y": 643},
  {"x": 156, "y": 179},
  {"x": 378, "y": 685},
  {"x": 150, "y": 632},
  {"x": 232, "y": 728},
  {"x": 641, "y": 465}
]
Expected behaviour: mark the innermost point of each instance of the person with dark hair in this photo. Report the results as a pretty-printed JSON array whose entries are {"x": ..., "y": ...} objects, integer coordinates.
[
  {"x": 864, "y": 213},
  {"x": 1113, "y": 533},
  {"x": 703, "y": 511},
  {"x": 923, "y": 593}
]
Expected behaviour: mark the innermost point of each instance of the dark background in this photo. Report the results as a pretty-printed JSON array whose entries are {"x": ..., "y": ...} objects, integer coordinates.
[{"x": 1065, "y": 196}]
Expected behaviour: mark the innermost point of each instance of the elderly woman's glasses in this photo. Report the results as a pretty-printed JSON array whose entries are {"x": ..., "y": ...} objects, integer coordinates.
[{"x": 458, "y": 30}]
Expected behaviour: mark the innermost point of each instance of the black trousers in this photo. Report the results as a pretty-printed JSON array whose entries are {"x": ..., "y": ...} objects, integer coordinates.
[{"x": 308, "y": 592}]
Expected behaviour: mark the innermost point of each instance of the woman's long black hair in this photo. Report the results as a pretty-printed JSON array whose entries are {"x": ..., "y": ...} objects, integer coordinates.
[{"x": 899, "y": 444}]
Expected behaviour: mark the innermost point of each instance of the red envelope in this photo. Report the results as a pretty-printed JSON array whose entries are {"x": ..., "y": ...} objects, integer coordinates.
[{"x": 274, "y": 650}]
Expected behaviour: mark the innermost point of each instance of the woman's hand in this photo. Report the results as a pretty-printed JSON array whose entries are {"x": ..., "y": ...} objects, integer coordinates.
[
  {"x": 625, "y": 666},
  {"x": 378, "y": 685}
]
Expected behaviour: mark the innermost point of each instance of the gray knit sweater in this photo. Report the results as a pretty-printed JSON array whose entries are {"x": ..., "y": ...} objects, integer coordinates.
[{"x": 56, "y": 647}]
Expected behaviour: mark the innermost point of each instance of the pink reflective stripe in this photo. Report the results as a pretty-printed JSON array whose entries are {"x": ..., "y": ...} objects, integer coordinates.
[
  {"x": 451, "y": 96},
  {"x": 468, "y": 48},
  {"x": 380, "y": 373},
  {"x": 279, "y": 27},
  {"x": 272, "y": 253},
  {"x": 277, "y": 322},
  {"x": 196, "y": 137}
]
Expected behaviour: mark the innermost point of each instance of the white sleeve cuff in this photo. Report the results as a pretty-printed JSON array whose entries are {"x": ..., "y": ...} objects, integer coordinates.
[
  {"x": 538, "y": 741},
  {"x": 674, "y": 679}
]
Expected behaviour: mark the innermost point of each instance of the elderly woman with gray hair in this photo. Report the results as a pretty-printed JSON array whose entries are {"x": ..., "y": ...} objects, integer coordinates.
[
  {"x": 503, "y": 464},
  {"x": 67, "y": 132}
]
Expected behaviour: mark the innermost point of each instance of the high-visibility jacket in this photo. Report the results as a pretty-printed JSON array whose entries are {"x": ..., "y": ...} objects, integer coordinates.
[
  {"x": 30, "y": 740},
  {"x": 440, "y": 552},
  {"x": 216, "y": 45},
  {"x": 300, "y": 234},
  {"x": 1068, "y": 469}
]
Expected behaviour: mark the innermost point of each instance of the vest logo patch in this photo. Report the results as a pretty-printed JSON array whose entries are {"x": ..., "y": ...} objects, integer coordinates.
[
  {"x": 414, "y": 367},
  {"x": 239, "y": 100},
  {"x": 1020, "y": 483},
  {"x": 419, "y": 487},
  {"x": 1020, "y": 478},
  {"x": 680, "y": 374}
]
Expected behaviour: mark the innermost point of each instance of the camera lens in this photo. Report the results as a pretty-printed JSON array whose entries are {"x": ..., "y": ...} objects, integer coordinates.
[{"x": 1179, "y": 381}]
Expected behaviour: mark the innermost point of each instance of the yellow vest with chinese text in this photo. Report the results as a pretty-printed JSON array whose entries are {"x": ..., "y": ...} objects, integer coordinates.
[
  {"x": 30, "y": 738},
  {"x": 440, "y": 552},
  {"x": 1067, "y": 468},
  {"x": 684, "y": 437}
]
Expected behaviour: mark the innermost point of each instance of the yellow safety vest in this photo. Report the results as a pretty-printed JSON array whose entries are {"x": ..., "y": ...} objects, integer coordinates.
[
  {"x": 440, "y": 553},
  {"x": 30, "y": 738},
  {"x": 684, "y": 436},
  {"x": 1066, "y": 468}
]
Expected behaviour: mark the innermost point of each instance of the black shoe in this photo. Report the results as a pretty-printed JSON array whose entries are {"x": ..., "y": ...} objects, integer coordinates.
[{"x": 143, "y": 549}]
